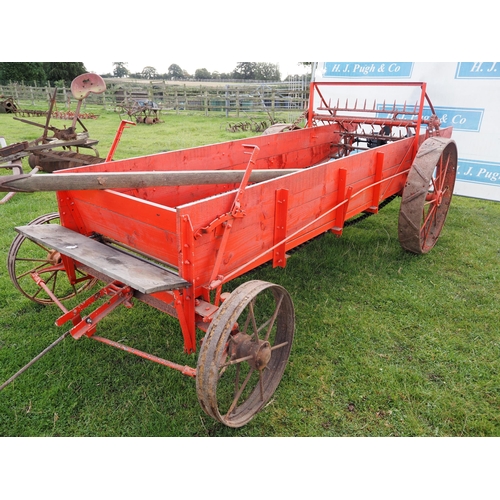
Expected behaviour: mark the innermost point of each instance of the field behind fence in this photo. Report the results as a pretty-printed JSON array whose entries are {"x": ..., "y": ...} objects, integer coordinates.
[{"x": 233, "y": 99}]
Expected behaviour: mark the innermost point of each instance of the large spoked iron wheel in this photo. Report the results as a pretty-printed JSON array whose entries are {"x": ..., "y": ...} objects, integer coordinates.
[
  {"x": 245, "y": 352},
  {"x": 427, "y": 194},
  {"x": 26, "y": 256}
]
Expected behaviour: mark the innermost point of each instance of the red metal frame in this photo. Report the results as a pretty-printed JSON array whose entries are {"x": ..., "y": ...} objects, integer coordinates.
[{"x": 123, "y": 125}]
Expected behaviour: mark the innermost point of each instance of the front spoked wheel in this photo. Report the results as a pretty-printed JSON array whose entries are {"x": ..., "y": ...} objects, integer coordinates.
[{"x": 245, "y": 352}]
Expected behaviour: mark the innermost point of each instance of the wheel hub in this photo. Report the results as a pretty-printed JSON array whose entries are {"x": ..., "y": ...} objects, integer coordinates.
[
  {"x": 256, "y": 352},
  {"x": 54, "y": 257},
  {"x": 435, "y": 197}
]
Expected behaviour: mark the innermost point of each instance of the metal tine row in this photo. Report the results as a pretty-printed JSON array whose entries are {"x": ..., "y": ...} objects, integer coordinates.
[
  {"x": 412, "y": 110},
  {"x": 392, "y": 136},
  {"x": 374, "y": 134}
]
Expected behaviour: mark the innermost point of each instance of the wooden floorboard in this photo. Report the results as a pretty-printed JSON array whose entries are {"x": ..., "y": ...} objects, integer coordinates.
[{"x": 130, "y": 270}]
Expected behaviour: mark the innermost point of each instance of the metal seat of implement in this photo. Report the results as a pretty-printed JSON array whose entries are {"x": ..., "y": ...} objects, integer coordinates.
[{"x": 125, "y": 268}]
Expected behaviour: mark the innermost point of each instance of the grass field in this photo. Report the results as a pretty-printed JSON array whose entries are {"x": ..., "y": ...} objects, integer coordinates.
[{"x": 387, "y": 343}]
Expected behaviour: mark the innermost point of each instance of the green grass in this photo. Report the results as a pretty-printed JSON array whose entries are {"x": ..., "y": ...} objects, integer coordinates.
[{"x": 387, "y": 343}]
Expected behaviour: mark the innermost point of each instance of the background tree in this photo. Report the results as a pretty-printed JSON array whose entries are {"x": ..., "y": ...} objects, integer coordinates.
[
  {"x": 257, "y": 71},
  {"x": 244, "y": 71},
  {"x": 202, "y": 74},
  {"x": 308, "y": 66},
  {"x": 120, "y": 71},
  {"x": 149, "y": 72},
  {"x": 306, "y": 78},
  {"x": 267, "y": 71},
  {"x": 22, "y": 72},
  {"x": 65, "y": 71},
  {"x": 175, "y": 72}
]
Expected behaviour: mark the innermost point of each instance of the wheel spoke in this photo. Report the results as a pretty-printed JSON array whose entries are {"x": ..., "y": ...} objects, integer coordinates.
[
  {"x": 254, "y": 322},
  {"x": 429, "y": 218},
  {"x": 37, "y": 293},
  {"x": 248, "y": 318},
  {"x": 43, "y": 247},
  {"x": 236, "y": 382},
  {"x": 54, "y": 281},
  {"x": 240, "y": 391},
  {"x": 52, "y": 278},
  {"x": 268, "y": 323},
  {"x": 279, "y": 346},
  {"x": 273, "y": 318},
  {"x": 35, "y": 269},
  {"x": 442, "y": 172},
  {"x": 433, "y": 184},
  {"x": 26, "y": 259},
  {"x": 237, "y": 361}
]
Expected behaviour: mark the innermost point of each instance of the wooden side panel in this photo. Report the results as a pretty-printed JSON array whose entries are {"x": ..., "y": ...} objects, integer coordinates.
[
  {"x": 295, "y": 149},
  {"x": 276, "y": 151},
  {"x": 141, "y": 225},
  {"x": 397, "y": 157},
  {"x": 312, "y": 198}
]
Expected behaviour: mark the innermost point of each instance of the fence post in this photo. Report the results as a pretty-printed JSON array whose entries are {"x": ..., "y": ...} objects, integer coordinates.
[
  {"x": 65, "y": 97},
  {"x": 13, "y": 91},
  {"x": 48, "y": 92}
]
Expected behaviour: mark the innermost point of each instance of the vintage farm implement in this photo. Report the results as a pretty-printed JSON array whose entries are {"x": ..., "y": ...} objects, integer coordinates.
[
  {"x": 171, "y": 229},
  {"x": 61, "y": 149}
]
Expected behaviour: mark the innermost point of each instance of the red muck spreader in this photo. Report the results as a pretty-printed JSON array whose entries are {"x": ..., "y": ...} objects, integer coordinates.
[{"x": 172, "y": 229}]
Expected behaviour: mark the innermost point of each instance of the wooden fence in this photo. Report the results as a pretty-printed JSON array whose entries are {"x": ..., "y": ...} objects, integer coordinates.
[{"x": 229, "y": 98}]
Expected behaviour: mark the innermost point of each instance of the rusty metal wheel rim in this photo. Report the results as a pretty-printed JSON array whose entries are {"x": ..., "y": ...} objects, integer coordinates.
[
  {"x": 230, "y": 386},
  {"x": 26, "y": 256},
  {"x": 427, "y": 195}
]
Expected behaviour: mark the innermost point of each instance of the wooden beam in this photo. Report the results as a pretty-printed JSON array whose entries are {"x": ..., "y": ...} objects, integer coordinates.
[{"x": 122, "y": 180}]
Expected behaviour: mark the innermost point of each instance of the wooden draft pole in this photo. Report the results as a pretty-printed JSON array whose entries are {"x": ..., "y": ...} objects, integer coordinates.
[{"x": 26, "y": 183}]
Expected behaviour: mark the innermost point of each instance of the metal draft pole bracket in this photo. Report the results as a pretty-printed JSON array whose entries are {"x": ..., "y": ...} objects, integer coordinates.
[{"x": 236, "y": 211}]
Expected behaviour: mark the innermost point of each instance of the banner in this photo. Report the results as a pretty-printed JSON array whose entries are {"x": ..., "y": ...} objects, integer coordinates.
[{"x": 465, "y": 95}]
